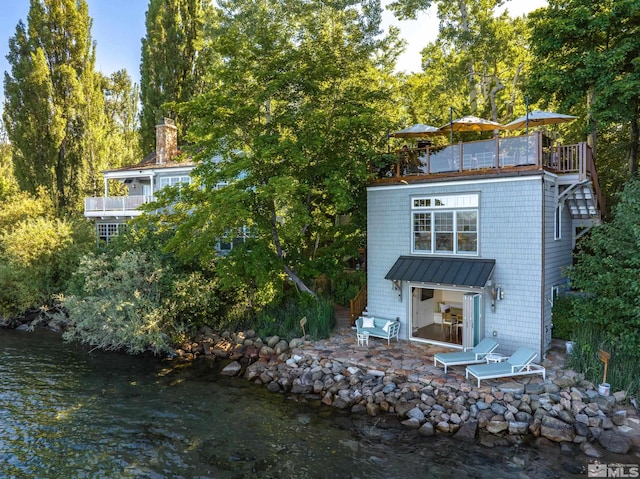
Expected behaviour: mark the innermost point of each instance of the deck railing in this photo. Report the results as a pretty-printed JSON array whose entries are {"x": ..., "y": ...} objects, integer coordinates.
[
  {"x": 476, "y": 155},
  {"x": 496, "y": 154},
  {"x": 109, "y": 204}
]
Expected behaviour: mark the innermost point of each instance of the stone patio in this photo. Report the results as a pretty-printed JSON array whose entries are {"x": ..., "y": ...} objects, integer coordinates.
[{"x": 412, "y": 360}]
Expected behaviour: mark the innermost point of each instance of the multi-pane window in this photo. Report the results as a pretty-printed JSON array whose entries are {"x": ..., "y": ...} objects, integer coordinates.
[
  {"x": 445, "y": 224},
  {"x": 174, "y": 180},
  {"x": 106, "y": 231},
  {"x": 422, "y": 231},
  {"x": 558, "y": 223},
  {"x": 224, "y": 246}
]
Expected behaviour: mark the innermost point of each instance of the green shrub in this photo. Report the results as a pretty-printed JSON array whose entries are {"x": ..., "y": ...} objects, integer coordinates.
[
  {"x": 121, "y": 307},
  {"x": 347, "y": 285},
  {"x": 37, "y": 258},
  {"x": 563, "y": 316},
  {"x": 193, "y": 300},
  {"x": 284, "y": 319},
  {"x": 622, "y": 372}
]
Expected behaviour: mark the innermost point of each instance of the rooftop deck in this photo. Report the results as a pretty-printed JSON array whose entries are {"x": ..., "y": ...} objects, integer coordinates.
[
  {"x": 496, "y": 156},
  {"x": 493, "y": 154}
]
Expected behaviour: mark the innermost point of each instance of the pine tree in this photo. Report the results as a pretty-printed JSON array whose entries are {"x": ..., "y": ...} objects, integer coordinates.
[{"x": 54, "y": 108}]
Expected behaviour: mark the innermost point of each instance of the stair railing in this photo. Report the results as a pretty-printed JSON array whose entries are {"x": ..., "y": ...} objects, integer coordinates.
[{"x": 358, "y": 304}]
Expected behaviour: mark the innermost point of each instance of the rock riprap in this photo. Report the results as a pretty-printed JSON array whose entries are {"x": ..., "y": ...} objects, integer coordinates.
[{"x": 564, "y": 409}]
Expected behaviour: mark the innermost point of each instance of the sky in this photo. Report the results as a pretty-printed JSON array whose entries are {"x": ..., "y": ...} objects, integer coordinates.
[{"x": 118, "y": 27}]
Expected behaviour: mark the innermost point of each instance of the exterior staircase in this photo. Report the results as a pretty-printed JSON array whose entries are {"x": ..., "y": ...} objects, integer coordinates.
[{"x": 343, "y": 317}]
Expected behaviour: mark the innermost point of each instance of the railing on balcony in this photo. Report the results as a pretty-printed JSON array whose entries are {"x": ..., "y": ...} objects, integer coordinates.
[
  {"x": 115, "y": 204},
  {"x": 497, "y": 153}
]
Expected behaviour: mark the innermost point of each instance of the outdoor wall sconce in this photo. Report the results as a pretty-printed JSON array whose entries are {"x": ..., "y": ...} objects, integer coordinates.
[
  {"x": 397, "y": 286},
  {"x": 496, "y": 292}
]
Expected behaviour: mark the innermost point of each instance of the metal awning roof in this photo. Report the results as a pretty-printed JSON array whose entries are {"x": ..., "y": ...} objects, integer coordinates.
[{"x": 468, "y": 272}]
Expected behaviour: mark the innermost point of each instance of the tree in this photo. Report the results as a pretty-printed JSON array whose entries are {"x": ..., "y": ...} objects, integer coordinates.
[
  {"x": 53, "y": 110},
  {"x": 172, "y": 61},
  {"x": 608, "y": 269},
  {"x": 298, "y": 111},
  {"x": 38, "y": 252},
  {"x": 477, "y": 61},
  {"x": 8, "y": 184},
  {"x": 121, "y": 106},
  {"x": 588, "y": 52}
]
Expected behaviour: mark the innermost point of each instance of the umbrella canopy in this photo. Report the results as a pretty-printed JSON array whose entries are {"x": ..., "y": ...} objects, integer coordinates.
[
  {"x": 417, "y": 131},
  {"x": 537, "y": 118},
  {"x": 471, "y": 123}
]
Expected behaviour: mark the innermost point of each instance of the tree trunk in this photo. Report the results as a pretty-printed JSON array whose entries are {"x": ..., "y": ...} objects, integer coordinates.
[
  {"x": 591, "y": 139},
  {"x": 492, "y": 96},
  {"x": 634, "y": 139},
  {"x": 473, "y": 94},
  {"x": 514, "y": 83},
  {"x": 292, "y": 274}
]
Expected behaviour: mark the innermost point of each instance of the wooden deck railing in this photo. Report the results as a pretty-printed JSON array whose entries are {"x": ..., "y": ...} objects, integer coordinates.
[
  {"x": 495, "y": 155},
  {"x": 358, "y": 304}
]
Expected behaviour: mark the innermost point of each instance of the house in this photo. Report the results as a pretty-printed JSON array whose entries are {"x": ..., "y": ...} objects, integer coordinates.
[
  {"x": 471, "y": 240},
  {"x": 142, "y": 181}
]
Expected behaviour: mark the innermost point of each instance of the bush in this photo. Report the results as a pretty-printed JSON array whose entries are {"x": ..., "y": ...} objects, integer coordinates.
[
  {"x": 347, "y": 285},
  {"x": 284, "y": 319},
  {"x": 563, "y": 317},
  {"x": 37, "y": 258},
  {"x": 121, "y": 305}
]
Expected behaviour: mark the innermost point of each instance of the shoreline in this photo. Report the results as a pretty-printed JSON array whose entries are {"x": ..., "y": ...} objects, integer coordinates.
[
  {"x": 563, "y": 410},
  {"x": 400, "y": 379}
]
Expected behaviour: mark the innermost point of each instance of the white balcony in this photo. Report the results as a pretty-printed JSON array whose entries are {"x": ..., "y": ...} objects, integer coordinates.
[{"x": 115, "y": 206}]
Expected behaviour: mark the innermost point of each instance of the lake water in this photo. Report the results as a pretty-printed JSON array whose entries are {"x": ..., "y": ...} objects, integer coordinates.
[{"x": 68, "y": 413}]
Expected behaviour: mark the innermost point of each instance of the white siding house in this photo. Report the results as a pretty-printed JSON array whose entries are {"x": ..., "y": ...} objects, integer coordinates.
[
  {"x": 464, "y": 251},
  {"x": 142, "y": 181}
]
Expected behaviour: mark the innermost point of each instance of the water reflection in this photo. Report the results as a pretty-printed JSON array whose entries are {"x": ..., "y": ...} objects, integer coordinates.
[{"x": 67, "y": 413}]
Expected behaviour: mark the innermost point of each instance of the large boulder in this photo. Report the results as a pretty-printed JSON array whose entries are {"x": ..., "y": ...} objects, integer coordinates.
[
  {"x": 232, "y": 369},
  {"x": 556, "y": 430},
  {"x": 467, "y": 432},
  {"x": 614, "y": 442}
]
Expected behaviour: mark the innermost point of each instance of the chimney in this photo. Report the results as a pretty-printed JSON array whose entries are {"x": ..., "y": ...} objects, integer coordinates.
[{"x": 166, "y": 141}]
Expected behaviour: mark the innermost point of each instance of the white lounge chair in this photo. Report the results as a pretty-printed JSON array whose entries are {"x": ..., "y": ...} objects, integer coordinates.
[
  {"x": 468, "y": 356},
  {"x": 518, "y": 364}
]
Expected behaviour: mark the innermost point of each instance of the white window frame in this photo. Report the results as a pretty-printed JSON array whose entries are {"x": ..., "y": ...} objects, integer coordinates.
[
  {"x": 555, "y": 292},
  {"x": 432, "y": 210},
  {"x": 106, "y": 231},
  {"x": 557, "y": 223},
  {"x": 165, "y": 181},
  {"x": 229, "y": 244}
]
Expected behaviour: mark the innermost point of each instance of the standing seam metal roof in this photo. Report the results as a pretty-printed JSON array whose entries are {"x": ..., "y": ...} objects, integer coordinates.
[{"x": 470, "y": 272}]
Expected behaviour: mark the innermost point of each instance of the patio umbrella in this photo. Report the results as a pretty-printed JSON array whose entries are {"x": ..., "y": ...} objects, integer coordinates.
[
  {"x": 470, "y": 123},
  {"x": 417, "y": 131},
  {"x": 537, "y": 118}
]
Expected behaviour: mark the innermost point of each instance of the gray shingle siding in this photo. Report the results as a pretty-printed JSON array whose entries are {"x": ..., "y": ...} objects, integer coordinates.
[{"x": 511, "y": 229}]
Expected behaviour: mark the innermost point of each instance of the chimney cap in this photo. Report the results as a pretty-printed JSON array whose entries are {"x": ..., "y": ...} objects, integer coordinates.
[{"x": 167, "y": 122}]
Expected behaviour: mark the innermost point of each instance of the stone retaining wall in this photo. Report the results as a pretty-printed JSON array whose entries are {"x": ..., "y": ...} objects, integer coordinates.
[{"x": 567, "y": 410}]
